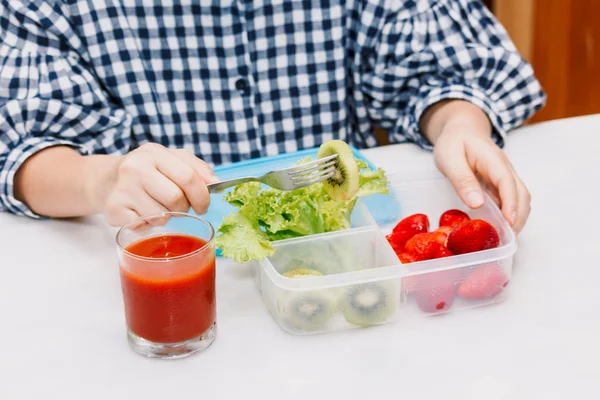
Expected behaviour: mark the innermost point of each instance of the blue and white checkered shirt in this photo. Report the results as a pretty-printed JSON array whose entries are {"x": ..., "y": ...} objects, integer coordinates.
[{"x": 232, "y": 80}]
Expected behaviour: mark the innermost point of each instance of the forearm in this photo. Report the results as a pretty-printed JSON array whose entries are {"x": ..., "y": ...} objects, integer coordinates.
[
  {"x": 454, "y": 115},
  {"x": 58, "y": 182}
]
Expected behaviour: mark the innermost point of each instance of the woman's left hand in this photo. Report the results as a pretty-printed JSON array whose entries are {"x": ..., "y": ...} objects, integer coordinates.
[{"x": 466, "y": 154}]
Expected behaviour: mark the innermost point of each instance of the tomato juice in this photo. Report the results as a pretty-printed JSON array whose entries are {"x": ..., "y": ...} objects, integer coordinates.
[{"x": 168, "y": 284}]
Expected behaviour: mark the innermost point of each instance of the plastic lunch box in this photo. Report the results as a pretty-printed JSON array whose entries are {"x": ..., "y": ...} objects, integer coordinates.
[{"x": 363, "y": 282}]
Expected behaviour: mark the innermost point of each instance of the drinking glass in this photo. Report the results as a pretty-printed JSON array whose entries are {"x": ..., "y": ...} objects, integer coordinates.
[{"x": 167, "y": 270}]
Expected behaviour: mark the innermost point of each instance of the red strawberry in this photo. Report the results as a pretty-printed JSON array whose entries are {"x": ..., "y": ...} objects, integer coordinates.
[
  {"x": 407, "y": 228},
  {"x": 452, "y": 218},
  {"x": 422, "y": 246},
  {"x": 443, "y": 232},
  {"x": 443, "y": 251},
  {"x": 471, "y": 236},
  {"x": 406, "y": 258},
  {"x": 398, "y": 239},
  {"x": 445, "y": 229},
  {"x": 426, "y": 246},
  {"x": 438, "y": 296},
  {"x": 431, "y": 279},
  {"x": 483, "y": 283},
  {"x": 394, "y": 242},
  {"x": 440, "y": 237},
  {"x": 416, "y": 223}
]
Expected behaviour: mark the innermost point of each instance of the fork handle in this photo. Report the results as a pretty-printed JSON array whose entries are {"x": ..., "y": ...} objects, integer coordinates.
[{"x": 219, "y": 186}]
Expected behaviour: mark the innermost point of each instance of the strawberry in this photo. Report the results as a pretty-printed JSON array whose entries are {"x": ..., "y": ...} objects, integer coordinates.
[
  {"x": 406, "y": 229},
  {"x": 440, "y": 237},
  {"x": 443, "y": 251},
  {"x": 432, "y": 278},
  {"x": 438, "y": 295},
  {"x": 422, "y": 246},
  {"x": 416, "y": 223},
  {"x": 442, "y": 234},
  {"x": 452, "y": 218},
  {"x": 471, "y": 236},
  {"x": 394, "y": 242},
  {"x": 483, "y": 283},
  {"x": 406, "y": 258},
  {"x": 427, "y": 250},
  {"x": 426, "y": 246},
  {"x": 445, "y": 229}
]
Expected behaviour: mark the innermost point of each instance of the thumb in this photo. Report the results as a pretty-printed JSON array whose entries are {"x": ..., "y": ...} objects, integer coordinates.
[{"x": 462, "y": 178}]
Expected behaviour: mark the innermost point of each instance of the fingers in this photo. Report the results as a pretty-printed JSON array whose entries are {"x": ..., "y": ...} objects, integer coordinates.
[
  {"x": 201, "y": 168},
  {"x": 186, "y": 178},
  {"x": 492, "y": 192},
  {"x": 522, "y": 202},
  {"x": 461, "y": 161},
  {"x": 499, "y": 174},
  {"x": 146, "y": 205},
  {"x": 485, "y": 158},
  {"x": 118, "y": 211},
  {"x": 164, "y": 191},
  {"x": 121, "y": 217},
  {"x": 123, "y": 206},
  {"x": 523, "y": 205},
  {"x": 453, "y": 164},
  {"x": 153, "y": 180}
]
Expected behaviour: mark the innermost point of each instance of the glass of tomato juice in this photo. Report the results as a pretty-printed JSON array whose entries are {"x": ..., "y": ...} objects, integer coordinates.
[{"x": 167, "y": 269}]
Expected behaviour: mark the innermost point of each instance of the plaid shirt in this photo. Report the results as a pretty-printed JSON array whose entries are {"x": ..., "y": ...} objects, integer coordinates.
[{"x": 233, "y": 80}]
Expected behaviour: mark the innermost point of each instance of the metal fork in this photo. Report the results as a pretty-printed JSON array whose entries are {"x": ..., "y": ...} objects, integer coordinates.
[{"x": 288, "y": 178}]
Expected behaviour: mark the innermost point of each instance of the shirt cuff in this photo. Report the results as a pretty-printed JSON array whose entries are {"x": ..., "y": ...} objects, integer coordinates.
[
  {"x": 458, "y": 92},
  {"x": 15, "y": 159}
]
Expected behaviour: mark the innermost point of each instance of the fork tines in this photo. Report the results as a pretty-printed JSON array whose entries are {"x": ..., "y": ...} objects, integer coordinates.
[
  {"x": 314, "y": 171},
  {"x": 312, "y": 166}
]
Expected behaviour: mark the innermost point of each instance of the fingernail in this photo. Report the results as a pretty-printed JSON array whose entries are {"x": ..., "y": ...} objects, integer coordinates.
[
  {"x": 513, "y": 217},
  {"x": 214, "y": 179},
  {"x": 475, "y": 199}
]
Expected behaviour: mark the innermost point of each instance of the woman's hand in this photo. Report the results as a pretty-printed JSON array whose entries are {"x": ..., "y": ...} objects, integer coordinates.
[
  {"x": 151, "y": 179},
  {"x": 59, "y": 182},
  {"x": 466, "y": 154}
]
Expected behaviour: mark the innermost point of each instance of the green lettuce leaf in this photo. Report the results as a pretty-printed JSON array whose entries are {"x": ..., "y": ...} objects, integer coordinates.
[
  {"x": 371, "y": 182},
  {"x": 268, "y": 215},
  {"x": 243, "y": 194},
  {"x": 336, "y": 215},
  {"x": 241, "y": 240}
]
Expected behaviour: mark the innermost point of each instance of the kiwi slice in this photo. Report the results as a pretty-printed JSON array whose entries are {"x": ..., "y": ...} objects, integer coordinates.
[
  {"x": 302, "y": 272},
  {"x": 369, "y": 304},
  {"x": 344, "y": 184},
  {"x": 308, "y": 311}
]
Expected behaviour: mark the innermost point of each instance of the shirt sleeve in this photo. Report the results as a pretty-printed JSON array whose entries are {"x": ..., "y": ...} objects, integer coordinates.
[
  {"x": 47, "y": 96},
  {"x": 426, "y": 51}
]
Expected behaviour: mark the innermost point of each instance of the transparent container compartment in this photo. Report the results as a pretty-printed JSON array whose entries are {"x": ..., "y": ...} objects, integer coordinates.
[{"x": 365, "y": 284}]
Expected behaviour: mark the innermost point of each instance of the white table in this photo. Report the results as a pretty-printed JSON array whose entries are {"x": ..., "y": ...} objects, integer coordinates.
[{"x": 62, "y": 330}]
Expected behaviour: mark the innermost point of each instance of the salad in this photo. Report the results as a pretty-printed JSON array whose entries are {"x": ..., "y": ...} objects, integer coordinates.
[{"x": 265, "y": 215}]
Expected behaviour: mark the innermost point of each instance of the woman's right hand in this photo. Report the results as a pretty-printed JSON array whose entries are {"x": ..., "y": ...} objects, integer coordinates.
[{"x": 149, "y": 180}]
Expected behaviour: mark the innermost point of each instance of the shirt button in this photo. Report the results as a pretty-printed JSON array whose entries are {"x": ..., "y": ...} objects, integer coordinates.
[{"x": 242, "y": 86}]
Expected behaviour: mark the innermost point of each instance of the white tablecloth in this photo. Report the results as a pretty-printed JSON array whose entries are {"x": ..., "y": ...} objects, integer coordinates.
[{"x": 62, "y": 331}]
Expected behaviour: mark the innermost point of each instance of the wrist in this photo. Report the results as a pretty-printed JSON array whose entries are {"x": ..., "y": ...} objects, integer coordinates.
[
  {"x": 100, "y": 176},
  {"x": 454, "y": 117}
]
